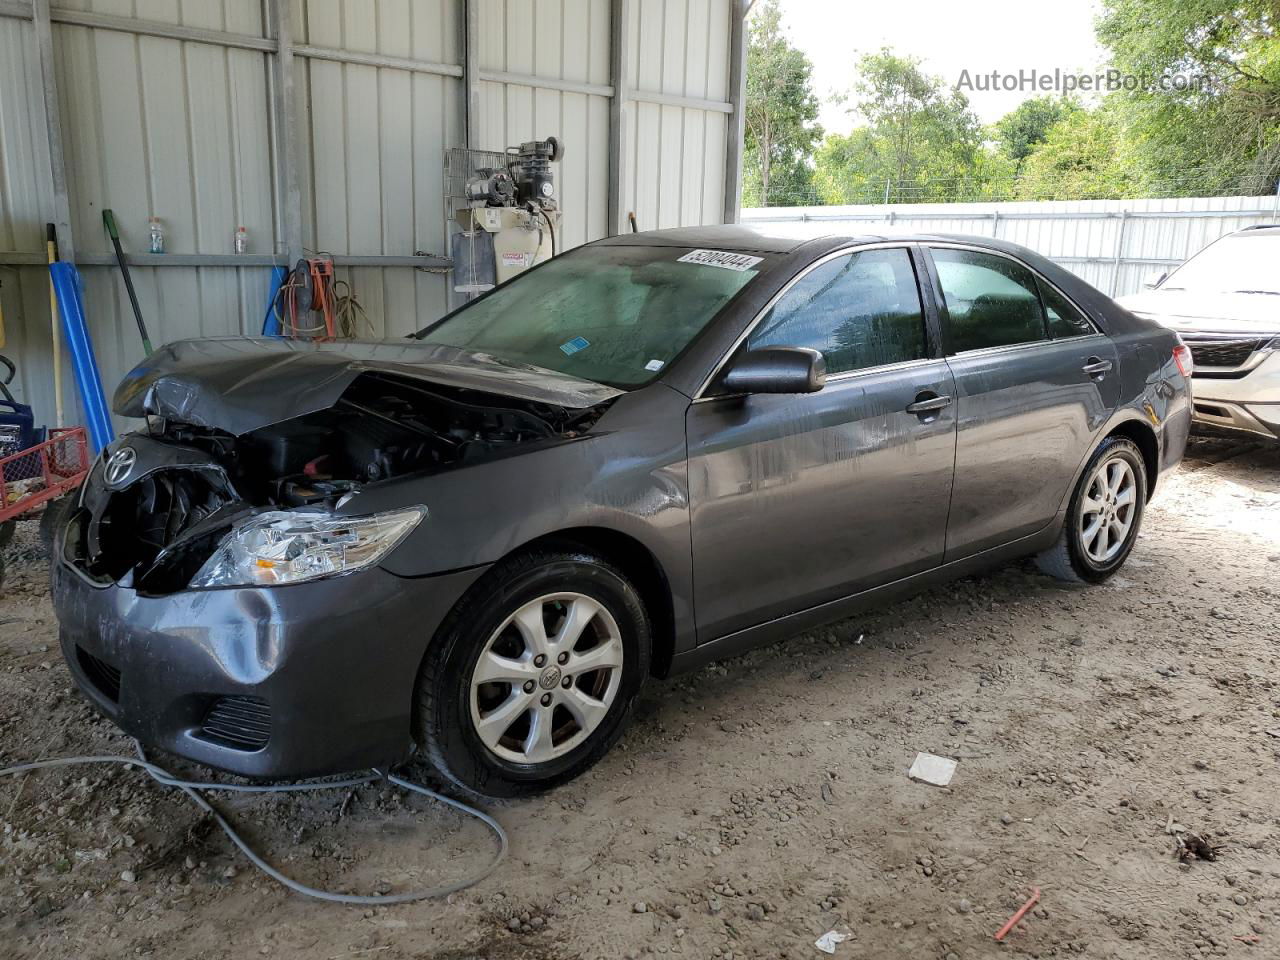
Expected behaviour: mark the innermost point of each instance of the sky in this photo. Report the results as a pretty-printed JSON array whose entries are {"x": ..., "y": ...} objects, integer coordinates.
[{"x": 949, "y": 36}]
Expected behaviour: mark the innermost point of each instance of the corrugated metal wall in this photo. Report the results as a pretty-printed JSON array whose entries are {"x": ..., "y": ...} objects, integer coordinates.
[
  {"x": 1112, "y": 244},
  {"x": 184, "y": 129},
  {"x": 558, "y": 40},
  {"x": 677, "y": 52},
  {"x": 26, "y": 198},
  {"x": 371, "y": 145},
  {"x": 178, "y": 129}
]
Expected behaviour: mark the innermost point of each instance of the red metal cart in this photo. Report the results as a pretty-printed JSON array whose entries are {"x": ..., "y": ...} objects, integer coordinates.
[{"x": 40, "y": 473}]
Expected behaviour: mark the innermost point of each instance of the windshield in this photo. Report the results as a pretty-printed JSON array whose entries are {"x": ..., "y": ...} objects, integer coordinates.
[
  {"x": 615, "y": 315},
  {"x": 1239, "y": 264}
]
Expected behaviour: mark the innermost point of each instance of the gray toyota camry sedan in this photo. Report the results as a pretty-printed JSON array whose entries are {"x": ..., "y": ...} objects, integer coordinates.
[{"x": 647, "y": 453}]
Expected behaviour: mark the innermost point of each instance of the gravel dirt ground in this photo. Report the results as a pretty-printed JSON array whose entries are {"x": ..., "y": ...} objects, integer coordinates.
[{"x": 763, "y": 801}]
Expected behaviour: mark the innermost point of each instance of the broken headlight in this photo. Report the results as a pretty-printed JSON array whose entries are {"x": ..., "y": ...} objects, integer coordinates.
[{"x": 293, "y": 546}]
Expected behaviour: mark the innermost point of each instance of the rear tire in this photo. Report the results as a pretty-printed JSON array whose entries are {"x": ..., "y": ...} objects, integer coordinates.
[
  {"x": 7, "y": 530},
  {"x": 1103, "y": 518},
  {"x": 532, "y": 676}
]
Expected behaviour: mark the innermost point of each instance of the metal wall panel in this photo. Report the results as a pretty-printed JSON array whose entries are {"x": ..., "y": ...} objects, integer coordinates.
[
  {"x": 552, "y": 40},
  {"x": 26, "y": 196},
  {"x": 372, "y": 145},
  {"x": 184, "y": 129},
  {"x": 1112, "y": 244},
  {"x": 178, "y": 130},
  {"x": 681, "y": 48},
  {"x": 233, "y": 16}
]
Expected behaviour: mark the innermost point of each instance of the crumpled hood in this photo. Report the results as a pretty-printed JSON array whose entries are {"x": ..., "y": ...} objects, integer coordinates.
[
  {"x": 1194, "y": 312},
  {"x": 239, "y": 384}
]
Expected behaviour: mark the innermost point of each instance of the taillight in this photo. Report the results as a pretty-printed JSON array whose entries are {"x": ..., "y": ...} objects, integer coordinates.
[{"x": 1182, "y": 357}]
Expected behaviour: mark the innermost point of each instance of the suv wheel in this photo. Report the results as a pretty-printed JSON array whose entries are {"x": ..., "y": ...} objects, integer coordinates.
[
  {"x": 1103, "y": 518},
  {"x": 533, "y": 674}
]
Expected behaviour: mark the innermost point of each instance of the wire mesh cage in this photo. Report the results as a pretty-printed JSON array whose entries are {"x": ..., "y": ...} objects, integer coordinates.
[
  {"x": 468, "y": 252},
  {"x": 44, "y": 471},
  {"x": 460, "y": 165}
]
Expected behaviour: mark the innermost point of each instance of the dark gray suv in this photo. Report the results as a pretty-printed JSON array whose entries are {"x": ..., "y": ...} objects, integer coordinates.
[{"x": 650, "y": 452}]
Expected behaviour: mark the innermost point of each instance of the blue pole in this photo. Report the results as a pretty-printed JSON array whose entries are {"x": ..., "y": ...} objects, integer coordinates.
[
  {"x": 271, "y": 323},
  {"x": 97, "y": 415}
]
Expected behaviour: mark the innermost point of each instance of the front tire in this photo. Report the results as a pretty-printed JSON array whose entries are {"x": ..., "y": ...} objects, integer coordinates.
[
  {"x": 1103, "y": 518},
  {"x": 533, "y": 674}
]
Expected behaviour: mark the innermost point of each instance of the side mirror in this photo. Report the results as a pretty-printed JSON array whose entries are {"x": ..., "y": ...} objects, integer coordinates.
[
  {"x": 1154, "y": 280},
  {"x": 777, "y": 370}
]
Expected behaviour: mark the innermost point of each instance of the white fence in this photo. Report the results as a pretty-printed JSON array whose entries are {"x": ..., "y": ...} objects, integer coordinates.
[{"x": 1113, "y": 244}]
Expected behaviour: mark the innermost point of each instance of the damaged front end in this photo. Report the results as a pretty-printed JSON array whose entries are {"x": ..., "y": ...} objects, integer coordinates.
[{"x": 187, "y": 503}]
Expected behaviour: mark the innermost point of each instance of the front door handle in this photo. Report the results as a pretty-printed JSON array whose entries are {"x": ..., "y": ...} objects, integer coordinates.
[
  {"x": 1097, "y": 368},
  {"x": 927, "y": 403}
]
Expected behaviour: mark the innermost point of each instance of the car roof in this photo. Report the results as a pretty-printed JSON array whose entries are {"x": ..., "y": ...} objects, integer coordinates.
[
  {"x": 1259, "y": 230},
  {"x": 783, "y": 237}
]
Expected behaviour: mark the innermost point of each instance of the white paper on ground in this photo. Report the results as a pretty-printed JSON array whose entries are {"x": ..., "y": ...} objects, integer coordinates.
[
  {"x": 932, "y": 769},
  {"x": 827, "y": 942}
]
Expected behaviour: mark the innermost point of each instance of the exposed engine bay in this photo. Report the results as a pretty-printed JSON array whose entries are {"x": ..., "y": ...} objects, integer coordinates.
[{"x": 188, "y": 483}]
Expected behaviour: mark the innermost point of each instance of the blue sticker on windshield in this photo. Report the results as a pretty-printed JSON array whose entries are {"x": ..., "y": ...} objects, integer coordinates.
[{"x": 574, "y": 345}]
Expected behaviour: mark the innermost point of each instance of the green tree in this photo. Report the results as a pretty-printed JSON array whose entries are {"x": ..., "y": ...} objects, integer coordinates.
[
  {"x": 918, "y": 141},
  {"x": 1083, "y": 156},
  {"x": 781, "y": 115},
  {"x": 1225, "y": 126},
  {"x": 1018, "y": 132}
]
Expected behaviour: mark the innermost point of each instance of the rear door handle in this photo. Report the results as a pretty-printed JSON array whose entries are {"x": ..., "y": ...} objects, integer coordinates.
[
  {"x": 1097, "y": 368},
  {"x": 929, "y": 404}
]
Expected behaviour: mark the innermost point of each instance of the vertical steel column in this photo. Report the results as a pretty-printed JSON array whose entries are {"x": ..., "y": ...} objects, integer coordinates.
[
  {"x": 1119, "y": 253},
  {"x": 280, "y": 27},
  {"x": 470, "y": 21},
  {"x": 619, "y": 108},
  {"x": 53, "y": 120},
  {"x": 737, "y": 119},
  {"x": 65, "y": 241}
]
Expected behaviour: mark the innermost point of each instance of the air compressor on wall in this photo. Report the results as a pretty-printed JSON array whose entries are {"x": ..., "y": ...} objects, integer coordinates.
[{"x": 505, "y": 212}]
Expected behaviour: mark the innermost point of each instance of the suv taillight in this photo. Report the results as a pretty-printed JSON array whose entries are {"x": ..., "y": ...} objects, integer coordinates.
[{"x": 1182, "y": 357}]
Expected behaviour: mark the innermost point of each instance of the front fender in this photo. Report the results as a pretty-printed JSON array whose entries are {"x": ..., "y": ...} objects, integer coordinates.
[{"x": 628, "y": 475}]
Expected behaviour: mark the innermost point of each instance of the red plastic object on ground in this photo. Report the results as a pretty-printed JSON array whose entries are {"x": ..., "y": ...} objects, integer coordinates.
[
  {"x": 1022, "y": 912},
  {"x": 30, "y": 477}
]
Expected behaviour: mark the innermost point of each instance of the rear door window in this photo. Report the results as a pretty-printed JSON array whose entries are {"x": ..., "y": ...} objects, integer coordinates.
[
  {"x": 991, "y": 301},
  {"x": 859, "y": 310},
  {"x": 1064, "y": 319}
]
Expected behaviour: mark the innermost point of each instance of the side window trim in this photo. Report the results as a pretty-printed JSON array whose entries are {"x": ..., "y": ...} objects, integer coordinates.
[
  {"x": 1041, "y": 283},
  {"x": 928, "y": 286},
  {"x": 944, "y": 316},
  {"x": 931, "y": 347}
]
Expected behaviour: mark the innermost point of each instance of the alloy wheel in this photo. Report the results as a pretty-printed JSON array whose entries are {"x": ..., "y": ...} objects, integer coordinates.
[
  {"x": 546, "y": 678},
  {"x": 1108, "y": 509}
]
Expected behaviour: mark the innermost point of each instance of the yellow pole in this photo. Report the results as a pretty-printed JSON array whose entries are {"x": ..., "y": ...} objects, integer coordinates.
[{"x": 51, "y": 248}]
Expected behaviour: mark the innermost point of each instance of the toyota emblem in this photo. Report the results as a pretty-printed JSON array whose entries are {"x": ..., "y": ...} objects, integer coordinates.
[{"x": 120, "y": 465}]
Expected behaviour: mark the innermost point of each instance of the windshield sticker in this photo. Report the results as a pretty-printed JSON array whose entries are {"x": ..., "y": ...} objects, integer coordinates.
[
  {"x": 720, "y": 258},
  {"x": 653, "y": 366},
  {"x": 574, "y": 345}
]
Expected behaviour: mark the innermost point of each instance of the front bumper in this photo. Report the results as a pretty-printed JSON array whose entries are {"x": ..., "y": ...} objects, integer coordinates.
[
  {"x": 281, "y": 682},
  {"x": 1259, "y": 419},
  {"x": 1241, "y": 404}
]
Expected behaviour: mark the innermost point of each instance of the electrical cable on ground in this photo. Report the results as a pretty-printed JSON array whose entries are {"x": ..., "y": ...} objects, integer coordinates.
[{"x": 191, "y": 788}]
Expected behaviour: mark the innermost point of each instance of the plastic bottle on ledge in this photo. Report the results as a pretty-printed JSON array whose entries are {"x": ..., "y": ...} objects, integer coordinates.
[
  {"x": 156, "y": 234},
  {"x": 242, "y": 240}
]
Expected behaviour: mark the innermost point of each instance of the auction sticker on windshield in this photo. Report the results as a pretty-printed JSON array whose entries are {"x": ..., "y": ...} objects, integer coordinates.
[{"x": 720, "y": 258}]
